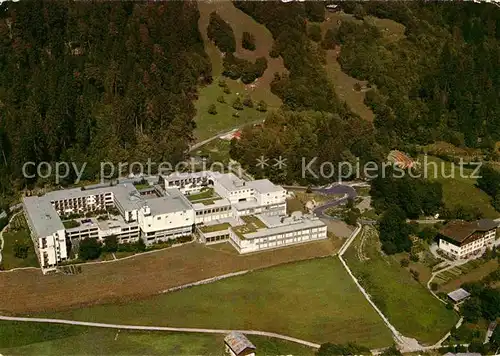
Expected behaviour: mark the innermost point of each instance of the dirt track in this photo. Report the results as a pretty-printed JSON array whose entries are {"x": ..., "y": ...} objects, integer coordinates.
[{"x": 28, "y": 291}]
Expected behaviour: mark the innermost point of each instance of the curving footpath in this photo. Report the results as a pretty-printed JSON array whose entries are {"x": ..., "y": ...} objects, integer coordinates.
[{"x": 160, "y": 328}]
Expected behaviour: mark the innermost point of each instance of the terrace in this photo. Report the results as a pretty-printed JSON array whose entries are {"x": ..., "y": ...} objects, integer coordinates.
[
  {"x": 252, "y": 224},
  {"x": 214, "y": 228},
  {"x": 205, "y": 193}
]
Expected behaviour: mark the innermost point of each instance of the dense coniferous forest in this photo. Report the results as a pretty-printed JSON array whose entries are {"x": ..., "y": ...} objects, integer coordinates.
[{"x": 108, "y": 81}]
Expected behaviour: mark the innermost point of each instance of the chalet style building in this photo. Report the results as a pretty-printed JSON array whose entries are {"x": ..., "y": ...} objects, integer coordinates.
[{"x": 462, "y": 239}]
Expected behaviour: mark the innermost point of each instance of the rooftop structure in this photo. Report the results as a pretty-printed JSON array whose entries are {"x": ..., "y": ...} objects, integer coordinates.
[
  {"x": 238, "y": 345},
  {"x": 458, "y": 295},
  {"x": 460, "y": 230}
]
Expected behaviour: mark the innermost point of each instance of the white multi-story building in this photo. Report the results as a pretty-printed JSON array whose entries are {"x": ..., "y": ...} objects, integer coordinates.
[
  {"x": 167, "y": 211},
  {"x": 277, "y": 232},
  {"x": 262, "y": 232},
  {"x": 154, "y": 219},
  {"x": 461, "y": 239}
]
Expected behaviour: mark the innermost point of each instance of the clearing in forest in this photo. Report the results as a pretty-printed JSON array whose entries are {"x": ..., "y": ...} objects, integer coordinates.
[
  {"x": 344, "y": 84},
  {"x": 209, "y": 125}
]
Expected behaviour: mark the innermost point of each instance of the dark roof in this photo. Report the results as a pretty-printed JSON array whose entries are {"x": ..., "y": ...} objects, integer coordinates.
[{"x": 460, "y": 230}]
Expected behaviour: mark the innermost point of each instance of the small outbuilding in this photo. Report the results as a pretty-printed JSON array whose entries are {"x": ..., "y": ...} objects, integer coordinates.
[
  {"x": 458, "y": 295},
  {"x": 237, "y": 344}
]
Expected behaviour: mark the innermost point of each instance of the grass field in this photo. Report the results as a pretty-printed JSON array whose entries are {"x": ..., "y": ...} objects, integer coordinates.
[
  {"x": 28, "y": 291},
  {"x": 21, "y": 235},
  {"x": 209, "y": 125},
  {"x": 397, "y": 294},
  {"x": 458, "y": 190},
  {"x": 315, "y": 300},
  {"x": 18, "y": 338}
]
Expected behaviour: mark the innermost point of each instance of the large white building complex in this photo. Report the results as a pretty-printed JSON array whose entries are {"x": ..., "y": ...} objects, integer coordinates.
[{"x": 251, "y": 215}]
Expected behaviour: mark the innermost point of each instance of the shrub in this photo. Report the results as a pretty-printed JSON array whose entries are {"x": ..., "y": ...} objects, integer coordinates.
[
  {"x": 262, "y": 106},
  {"x": 434, "y": 286},
  {"x": 415, "y": 274},
  {"x": 404, "y": 262},
  {"x": 414, "y": 257},
  {"x": 237, "y": 104},
  {"x": 21, "y": 249},
  {"x": 111, "y": 243},
  {"x": 221, "y": 99},
  {"x": 236, "y": 114},
  {"x": 222, "y": 83},
  {"x": 89, "y": 249},
  {"x": 227, "y": 90},
  {"x": 248, "y": 102},
  {"x": 212, "y": 110},
  {"x": 248, "y": 41}
]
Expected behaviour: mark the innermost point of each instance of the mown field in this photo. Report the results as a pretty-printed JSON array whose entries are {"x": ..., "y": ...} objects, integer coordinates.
[
  {"x": 458, "y": 188},
  {"x": 21, "y": 338},
  {"x": 141, "y": 276},
  {"x": 397, "y": 294},
  {"x": 315, "y": 300}
]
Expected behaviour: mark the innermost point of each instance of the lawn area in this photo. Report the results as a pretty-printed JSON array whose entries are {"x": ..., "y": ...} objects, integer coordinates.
[
  {"x": 204, "y": 194},
  {"x": 315, "y": 300},
  {"x": 69, "y": 224},
  {"x": 396, "y": 293},
  {"x": 18, "y": 338},
  {"x": 22, "y": 236},
  {"x": 215, "y": 151},
  {"x": 216, "y": 227},
  {"x": 294, "y": 204},
  {"x": 458, "y": 190}
]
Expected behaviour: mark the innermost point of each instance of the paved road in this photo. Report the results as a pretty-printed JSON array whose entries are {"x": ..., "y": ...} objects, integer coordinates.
[
  {"x": 222, "y": 133},
  {"x": 160, "y": 328},
  {"x": 348, "y": 192}
]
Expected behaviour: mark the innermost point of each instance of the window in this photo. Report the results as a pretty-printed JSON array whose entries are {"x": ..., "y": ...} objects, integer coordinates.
[{"x": 158, "y": 218}]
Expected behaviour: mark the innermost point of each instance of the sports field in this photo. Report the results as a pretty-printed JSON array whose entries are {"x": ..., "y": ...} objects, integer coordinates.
[
  {"x": 17, "y": 338},
  {"x": 409, "y": 306},
  {"x": 140, "y": 276},
  {"x": 315, "y": 300}
]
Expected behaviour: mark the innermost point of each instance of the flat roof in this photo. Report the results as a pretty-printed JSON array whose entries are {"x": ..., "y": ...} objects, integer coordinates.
[
  {"x": 214, "y": 203},
  {"x": 185, "y": 175},
  {"x": 458, "y": 294},
  {"x": 287, "y": 225},
  {"x": 172, "y": 202},
  {"x": 230, "y": 181},
  {"x": 460, "y": 230},
  {"x": 44, "y": 218},
  {"x": 264, "y": 186}
]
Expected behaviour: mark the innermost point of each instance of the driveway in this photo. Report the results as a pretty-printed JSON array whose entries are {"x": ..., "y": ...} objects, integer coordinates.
[{"x": 346, "y": 191}]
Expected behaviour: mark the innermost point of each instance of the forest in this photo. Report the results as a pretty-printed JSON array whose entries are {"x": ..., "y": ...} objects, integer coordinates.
[
  {"x": 117, "y": 81},
  {"x": 92, "y": 82}
]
